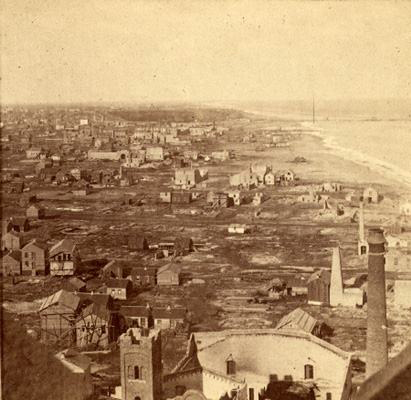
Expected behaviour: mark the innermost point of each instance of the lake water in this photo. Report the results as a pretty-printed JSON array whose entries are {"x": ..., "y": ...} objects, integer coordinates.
[{"x": 383, "y": 145}]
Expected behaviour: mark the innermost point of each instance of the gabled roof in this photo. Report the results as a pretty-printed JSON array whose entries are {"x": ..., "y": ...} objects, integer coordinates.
[
  {"x": 76, "y": 283},
  {"x": 95, "y": 303},
  {"x": 300, "y": 318},
  {"x": 118, "y": 283},
  {"x": 297, "y": 281},
  {"x": 169, "y": 312},
  {"x": 13, "y": 233},
  {"x": 15, "y": 255},
  {"x": 135, "y": 311},
  {"x": 35, "y": 206},
  {"x": 37, "y": 243},
  {"x": 115, "y": 266},
  {"x": 19, "y": 221},
  {"x": 171, "y": 267},
  {"x": 323, "y": 274},
  {"x": 62, "y": 297},
  {"x": 65, "y": 245},
  {"x": 144, "y": 271},
  {"x": 274, "y": 283}
]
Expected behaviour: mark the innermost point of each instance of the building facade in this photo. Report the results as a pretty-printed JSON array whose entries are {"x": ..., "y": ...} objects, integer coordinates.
[{"x": 140, "y": 364}]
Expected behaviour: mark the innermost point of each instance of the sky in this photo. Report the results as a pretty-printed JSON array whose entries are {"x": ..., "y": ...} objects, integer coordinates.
[{"x": 197, "y": 51}]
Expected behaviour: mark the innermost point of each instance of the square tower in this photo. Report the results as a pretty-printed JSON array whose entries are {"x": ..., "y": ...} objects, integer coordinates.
[{"x": 141, "y": 364}]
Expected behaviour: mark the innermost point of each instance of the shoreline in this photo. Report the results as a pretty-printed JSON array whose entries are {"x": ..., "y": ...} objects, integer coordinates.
[
  {"x": 386, "y": 170},
  {"x": 383, "y": 168}
]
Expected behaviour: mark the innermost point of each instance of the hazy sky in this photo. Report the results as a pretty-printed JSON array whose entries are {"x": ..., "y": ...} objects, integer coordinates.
[{"x": 103, "y": 50}]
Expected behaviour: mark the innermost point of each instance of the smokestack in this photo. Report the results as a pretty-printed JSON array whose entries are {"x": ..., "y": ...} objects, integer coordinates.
[
  {"x": 362, "y": 243},
  {"x": 377, "y": 351},
  {"x": 361, "y": 233},
  {"x": 336, "y": 286}
]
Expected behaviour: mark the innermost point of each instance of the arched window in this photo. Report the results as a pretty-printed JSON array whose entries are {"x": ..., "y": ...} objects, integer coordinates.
[
  {"x": 136, "y": 372},
  {"x": 308, "y": 371},
  {"x": 137, "y": 398}
]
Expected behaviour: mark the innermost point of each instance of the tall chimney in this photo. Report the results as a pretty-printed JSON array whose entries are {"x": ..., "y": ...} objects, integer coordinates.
[
  {"x": 336, "y": 285},
  {"x": 377, "y": 351},
  {"x": 361, "y": 233},
  {"x": 362, "y": 244}
]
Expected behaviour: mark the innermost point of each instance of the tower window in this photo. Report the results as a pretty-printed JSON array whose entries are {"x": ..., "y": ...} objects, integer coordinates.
[
  {"x": 136, "y": 372},
  {"x": 328, "y": 396},
  {"x": 308, "y": 371},
  {"x": 363, "y": 250}
]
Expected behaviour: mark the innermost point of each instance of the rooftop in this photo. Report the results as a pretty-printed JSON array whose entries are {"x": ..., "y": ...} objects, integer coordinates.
[
  {"x": 62, "y": 297},
  {"x": 64, "y": 246}
]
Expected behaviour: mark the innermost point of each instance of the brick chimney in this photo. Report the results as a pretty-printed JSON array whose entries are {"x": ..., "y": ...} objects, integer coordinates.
[
  {"x": 377, "y": 351},
  {"x": 336, "y": 285}
]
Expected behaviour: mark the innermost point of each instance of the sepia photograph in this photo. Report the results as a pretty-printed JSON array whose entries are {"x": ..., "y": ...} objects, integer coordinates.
[{"x": 205, "y": 200}]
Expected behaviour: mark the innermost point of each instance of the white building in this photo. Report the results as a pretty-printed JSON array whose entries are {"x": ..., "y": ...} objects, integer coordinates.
[{"x": 246, "y": 361}]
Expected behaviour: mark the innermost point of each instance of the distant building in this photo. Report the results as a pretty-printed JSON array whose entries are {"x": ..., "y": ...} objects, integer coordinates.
[
  {"x": 269, "y": 178},
  {"x": 183, "y": 245},
  {"x": 169, "y": 275},
  {"x": 275, "y": 288},
  {"x": 20, "y": 224},
  {"x": 57, "y": 315},
  {"x": 245, "y": 179},
  {"x": 95, "y": 323},
  {"x": 318, "y": 286},
  {"x": 370, "y": 195},
  {"x": 154, "y": 154},
  {"x": 396, "y": 242},
  {"x": 284, "y": 177},
  {"x": 222, "y": 155},
  {"x": 11, "y": 263},
  {"x": 33, "y": 153},
  {"x": 297, "y": 286},
  {"x": 64, "y": 258},
  {"x": 187, "y": 177},
  {"x": 115, "y": 269},
  {"x": 137, "y": 242},
  {"x": 405, "y": 207},
  {"x": 235, "y": 363},
  {"x": 168, "y": 317},
  {"x": 141, "y": 364},
  {"x": 74, "y": 284},
  {"x": 398, "y": 260},
  {"x": 11, "y": 241},
  {"x": 35, "y": 258},
  {"x": 237, "y": 197},
  {"x": 144, "y": 276},
  {"x": 181, "y": 197},
  {"x": 35, "y": 211},
  {"x": 219, "y": 199},
  {"x": 238, "y": 228},
  {"x": 300, "y": 320},
  {"x": 119, "y": 289},
  {"x": 150, "y": 317},
  {"x": 402, "y": 290}
]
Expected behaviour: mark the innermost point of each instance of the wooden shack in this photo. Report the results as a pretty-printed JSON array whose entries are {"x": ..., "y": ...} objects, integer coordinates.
[
  {"x": 57, "y": 316},
  {"x": 319, "y": 287}
]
